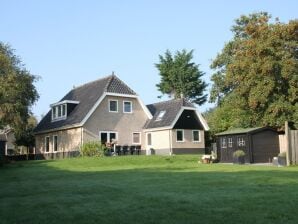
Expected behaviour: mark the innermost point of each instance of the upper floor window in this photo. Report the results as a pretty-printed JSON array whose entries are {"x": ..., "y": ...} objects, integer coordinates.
[
  {"x": 113, "y": 105},
  {"x": 59, "y": 112},
  {"x": 160, "y": 115},
  {"x": 127, "y": 106}
]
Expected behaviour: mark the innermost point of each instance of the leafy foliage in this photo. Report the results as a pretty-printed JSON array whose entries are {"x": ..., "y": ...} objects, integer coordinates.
[
  {"x": 180, "y": 77},
  {"x": 238, "y": 153},
  {"x": 17, "y": 92},
  {"x": 256, "y": 75},
  {"x": 25, "y": 136},
  {"x": 93, "y": 149}
]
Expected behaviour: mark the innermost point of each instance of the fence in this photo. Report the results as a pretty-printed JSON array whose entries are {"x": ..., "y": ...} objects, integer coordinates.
[{"x": 291, "y": 145}]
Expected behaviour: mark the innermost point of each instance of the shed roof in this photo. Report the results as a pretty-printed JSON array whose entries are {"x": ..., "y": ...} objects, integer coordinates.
[{"x": 242, "y": 131}]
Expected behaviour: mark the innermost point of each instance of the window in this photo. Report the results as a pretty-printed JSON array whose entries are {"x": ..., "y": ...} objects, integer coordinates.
[
  {"x": 108, "y": 136},
  {"x": 180, "y": 136},
  {"x": 55, "y": 143},
  {"x": 136, "y": 138},
  {"x": 149, "y": 139},
  {"x": 47, "y": 144},
  {"x": 195, "y": 135},
  {"x": 113, "y": 105},
  {"x": 241, "y": 141},
  {"x": 223, "y": 142},
  {"x": 59, "y": 112},
  {"x": 230, "y": 142},
  {"x": 127, "y": 106},
  {"x": 160, "y": 115}
]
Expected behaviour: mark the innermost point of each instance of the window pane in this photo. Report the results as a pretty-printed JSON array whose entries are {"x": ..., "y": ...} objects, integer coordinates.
[
  {"x": 112, "y": 136},
  {"x": 54, "y": 112},
  {"x": 127, "y": 107},
  {"x": 113, "y": 106},
  {"x": 179, "y": 135},
  {"x": 103, "y": 137},
  {"x": 196, "y": 136},
  {"x": 223, "y": 143},
  {"x": 59, "y": 111},
  {"x": 136, "y": 137},
  {"x": 63, "y": 110},
  {"x": 149, "y": 139},
  {"x": 47, "y": 144},
  {"x": 55, "y": 143}
]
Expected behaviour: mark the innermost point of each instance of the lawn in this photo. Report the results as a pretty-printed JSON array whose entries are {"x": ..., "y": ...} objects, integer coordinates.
[{"x": 150, "y": 189}]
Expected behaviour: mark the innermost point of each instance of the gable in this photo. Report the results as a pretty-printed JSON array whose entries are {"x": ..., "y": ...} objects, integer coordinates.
[{"x": 188, "y": 120}]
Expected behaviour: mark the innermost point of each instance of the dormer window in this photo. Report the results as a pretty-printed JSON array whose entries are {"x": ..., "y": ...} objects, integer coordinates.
[
  {"x": 61, "y": 109},
  {"x": 160, "y": 115}
]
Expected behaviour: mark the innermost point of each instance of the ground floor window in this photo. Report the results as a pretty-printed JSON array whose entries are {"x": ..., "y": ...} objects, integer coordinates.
[
  {"x": 223, "y": 142},
  {"x": 136, "y": 138},
  {"x": 149, "y": 139},
  {"x": 230, "y": 142},
  {"x": 55, "y": 143},
  {"x": 108, "y": 136},
  {"x": 241, "y": 141},
  {"x": 179, "y": 135},
  {"x": 47, "y": 144},
  {"x": 195, "y": 135}
]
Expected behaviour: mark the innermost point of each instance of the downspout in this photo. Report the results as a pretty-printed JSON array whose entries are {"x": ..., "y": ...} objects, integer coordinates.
[{"x": 170, "y": 140}]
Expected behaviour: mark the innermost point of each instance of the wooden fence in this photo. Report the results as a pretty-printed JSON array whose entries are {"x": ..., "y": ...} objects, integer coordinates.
[{"x": 291, "y": 145}]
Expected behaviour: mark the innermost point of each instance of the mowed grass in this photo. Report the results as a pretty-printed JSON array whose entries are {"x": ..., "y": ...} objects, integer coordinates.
[{"x": 152, "y": 189}]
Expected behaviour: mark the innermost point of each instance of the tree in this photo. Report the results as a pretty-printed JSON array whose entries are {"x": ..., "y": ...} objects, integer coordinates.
[
  {"x": 257, "y": 73},
  {"x": 17, "y": 90},
  {"x": 180, "y": 77},
  {"x": 25, "y": 136}
]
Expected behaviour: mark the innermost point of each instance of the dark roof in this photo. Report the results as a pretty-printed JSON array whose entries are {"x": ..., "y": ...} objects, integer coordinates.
[
  {"x": 87, "y": 95},
  {"x": 243, "y": 131},
  {"x": 171, "y": 108}
]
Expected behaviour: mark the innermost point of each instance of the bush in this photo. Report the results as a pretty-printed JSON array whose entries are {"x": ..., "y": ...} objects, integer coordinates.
[
  {"x": 238, "y": 153},
  {"x": 93, "y": 149}
]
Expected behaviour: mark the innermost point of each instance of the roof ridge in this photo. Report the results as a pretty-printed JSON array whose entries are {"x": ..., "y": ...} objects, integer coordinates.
[
  {"x": 115, "y": 77},
  {"x": 166, "y": 101},
  {"x": 88, "y": 83}
]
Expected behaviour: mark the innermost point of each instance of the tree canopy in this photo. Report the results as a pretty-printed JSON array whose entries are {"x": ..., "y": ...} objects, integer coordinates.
[
  {"x": 180, "y": 77},
  {"x": 17, "y": 90},
  {"x": 256, "y": 74}
]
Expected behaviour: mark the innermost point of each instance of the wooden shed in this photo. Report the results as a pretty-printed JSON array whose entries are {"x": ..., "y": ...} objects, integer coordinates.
[{"x": 259, "y": 144}]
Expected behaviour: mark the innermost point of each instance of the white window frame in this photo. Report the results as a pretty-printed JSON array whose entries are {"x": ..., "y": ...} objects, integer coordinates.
[
  {"x": 55, "y": 116},
  {"x": 108, "y": 135},
  {"x": 147, "y": 138},
  {"x": 230, "y": 142},
  {"x": 54, "y": 144},
  {"x": 223, "y": 142},
  {"x": 140, "y": 139},
  {"x": 110, "y": 100},
  {"x": 127, "y": 101},
  {"x": 45, "y": 144},
  {"x": 199, "y": 134},
  {"x": 241, "y": 141},
  {"x": 182, "y": 135}
]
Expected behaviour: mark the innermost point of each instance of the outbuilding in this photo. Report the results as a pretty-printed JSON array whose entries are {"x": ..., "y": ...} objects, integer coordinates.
[{"x": 259, "y": 144}]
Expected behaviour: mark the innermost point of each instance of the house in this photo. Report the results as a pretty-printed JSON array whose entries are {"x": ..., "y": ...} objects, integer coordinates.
[
  {"x": 110, "y": 111},
  {"x": 7, "y": 140},
  {"x": 259, "y": 144}
]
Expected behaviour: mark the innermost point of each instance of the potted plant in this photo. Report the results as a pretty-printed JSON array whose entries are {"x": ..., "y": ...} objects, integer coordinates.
[
  {"x": 282, "y": 159},
  {"x": 239, "y": 157}
]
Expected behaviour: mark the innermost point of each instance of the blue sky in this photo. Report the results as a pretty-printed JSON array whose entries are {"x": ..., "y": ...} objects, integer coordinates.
[{"x": 68, "y": 43}]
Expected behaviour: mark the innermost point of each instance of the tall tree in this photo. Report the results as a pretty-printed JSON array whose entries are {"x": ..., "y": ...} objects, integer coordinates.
[
  {"x": 257, "y": 72},
  {"x": 17, "y": 90},
  {"x": 180, "y": 77}
]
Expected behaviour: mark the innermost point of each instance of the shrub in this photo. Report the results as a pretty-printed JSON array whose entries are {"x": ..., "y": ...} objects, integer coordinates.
[
  {"x": 238, "y": 153},
  {"x": 93, "y": 149}
]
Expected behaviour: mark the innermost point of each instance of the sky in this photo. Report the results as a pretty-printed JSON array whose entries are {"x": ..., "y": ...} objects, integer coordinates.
[{"x": 69, "y": 42}]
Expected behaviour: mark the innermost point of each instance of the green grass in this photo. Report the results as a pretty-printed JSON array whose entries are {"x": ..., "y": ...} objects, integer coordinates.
[{"x": 142, "y": 189}]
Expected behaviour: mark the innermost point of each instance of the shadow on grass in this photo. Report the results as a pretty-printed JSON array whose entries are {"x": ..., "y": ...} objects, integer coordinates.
[{"x": 146, "y": 192}]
